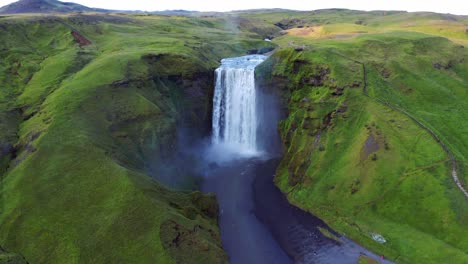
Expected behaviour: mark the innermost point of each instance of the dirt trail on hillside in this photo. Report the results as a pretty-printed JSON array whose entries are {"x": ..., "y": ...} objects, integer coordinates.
[
  {"x": 457, "y": 180},
  {"x": 453, "y": 161}
]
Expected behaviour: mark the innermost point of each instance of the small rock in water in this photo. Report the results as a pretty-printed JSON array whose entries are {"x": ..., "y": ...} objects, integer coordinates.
[{"x": 378, "y": 238}]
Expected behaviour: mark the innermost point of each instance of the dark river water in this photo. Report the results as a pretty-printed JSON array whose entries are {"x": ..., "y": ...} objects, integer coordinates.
[{"x": 258, "y": 225}]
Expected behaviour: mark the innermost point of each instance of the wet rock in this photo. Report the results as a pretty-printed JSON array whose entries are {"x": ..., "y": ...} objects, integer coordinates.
[
  {"x": 265, "y": 50},
  {"x": 378, "y": 238},
  {"x": 252, "y": 51},
  {"x": 299, "y": 48}
]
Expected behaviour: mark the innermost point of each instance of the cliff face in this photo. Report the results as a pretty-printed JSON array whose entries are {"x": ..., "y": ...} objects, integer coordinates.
[
  {"x": 355, "y": 152},
  {"x": 11, "y": 258},
  {"x": 93, "y": 109},
  {"x": 89, "y": 127}
]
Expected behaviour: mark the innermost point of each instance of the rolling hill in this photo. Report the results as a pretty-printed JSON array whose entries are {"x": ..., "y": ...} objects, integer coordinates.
[
  {"x": 45, "y": 6},
  {"x": 91, "y": 104}
]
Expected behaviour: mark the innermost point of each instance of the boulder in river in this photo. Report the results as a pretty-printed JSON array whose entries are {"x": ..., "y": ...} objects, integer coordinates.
[{"x": 378, "y": 238}]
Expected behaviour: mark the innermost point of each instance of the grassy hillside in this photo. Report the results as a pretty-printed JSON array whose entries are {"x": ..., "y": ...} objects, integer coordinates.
[
  {"x": 88, "y": 104},
  {"x": 91, "y": 105},
  {"x": 356, "y": 152},
  {"x": 342, "y": 23},
  {"x": 44, "y": 6}
]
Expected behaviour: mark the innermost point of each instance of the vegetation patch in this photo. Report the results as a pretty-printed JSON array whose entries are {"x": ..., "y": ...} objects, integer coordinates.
[
  {"x": 89, "y": 125},
  {"x": 354, "y": 154}
]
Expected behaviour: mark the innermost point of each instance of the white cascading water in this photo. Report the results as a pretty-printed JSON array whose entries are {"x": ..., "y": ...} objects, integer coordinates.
[{"x": 234, "y": 104}]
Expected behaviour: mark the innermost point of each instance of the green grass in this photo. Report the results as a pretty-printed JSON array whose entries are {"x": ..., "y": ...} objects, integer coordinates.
[
  {"x": 333, "y": 23},
  {"x": 82, "y": 128},
  {"x": 366, "y": 260},
  {"x": 403, "y": 190},
  {"x": 85, "y": 122}
]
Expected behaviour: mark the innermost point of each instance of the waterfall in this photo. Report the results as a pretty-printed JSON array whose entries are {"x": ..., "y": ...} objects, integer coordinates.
[{"x": 235, "y": 119}]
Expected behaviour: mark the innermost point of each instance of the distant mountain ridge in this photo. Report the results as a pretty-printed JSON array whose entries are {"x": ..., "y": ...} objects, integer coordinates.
[
  {"x": 55, "y": 6},
  {"x": 46, "y": 6}
]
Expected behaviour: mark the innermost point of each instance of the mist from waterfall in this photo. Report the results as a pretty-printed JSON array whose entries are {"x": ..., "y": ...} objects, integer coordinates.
[{"x": 235, "y": 117}]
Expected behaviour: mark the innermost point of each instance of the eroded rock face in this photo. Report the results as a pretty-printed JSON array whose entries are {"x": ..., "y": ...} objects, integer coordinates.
[
  {"x": 190, "y": 86},
  {"x": 170, "y": 108},
  {"x": 290, "y": 23},
  {"x": 184, "y": 243},
  {"x": 198, "y": 94},
  {"x": 195, "y": 239},
  {"x": 9, "y": 121},
  {"x": 207, "y": 204},
  {"x": 80, "y": 39},
  {"x": 11, "y": 258}
]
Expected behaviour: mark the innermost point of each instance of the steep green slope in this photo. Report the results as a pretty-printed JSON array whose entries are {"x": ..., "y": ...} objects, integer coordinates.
[
  {"x": 90, "y": 106},
  {"x": 90, "y": 103},
  {"x": 343, "y": 23},
  {"x": 361, "y": 162}
]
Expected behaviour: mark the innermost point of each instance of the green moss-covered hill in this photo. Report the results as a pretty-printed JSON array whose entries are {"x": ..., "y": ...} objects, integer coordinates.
[
  {"x": 91, "y": 105},
  {"x": 44, "y": 6},
  {"x": 88, "y": 104},
  {"x": 376, "y": 127}
]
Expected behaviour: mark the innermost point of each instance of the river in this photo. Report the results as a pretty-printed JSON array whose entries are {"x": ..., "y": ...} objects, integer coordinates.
[{"x": 257, "y": 223}]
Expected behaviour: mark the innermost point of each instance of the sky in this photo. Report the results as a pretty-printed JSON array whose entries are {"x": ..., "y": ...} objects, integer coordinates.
[{"x": 440, "y": 6}]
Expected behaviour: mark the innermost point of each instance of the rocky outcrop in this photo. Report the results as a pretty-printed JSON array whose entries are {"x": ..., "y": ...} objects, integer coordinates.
[
  {"x": 82, "y": 41},
  {"x": 185, "y": 244},
  {"x": 11, "y": 258},
  {"x": 290, "y": 23}
]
